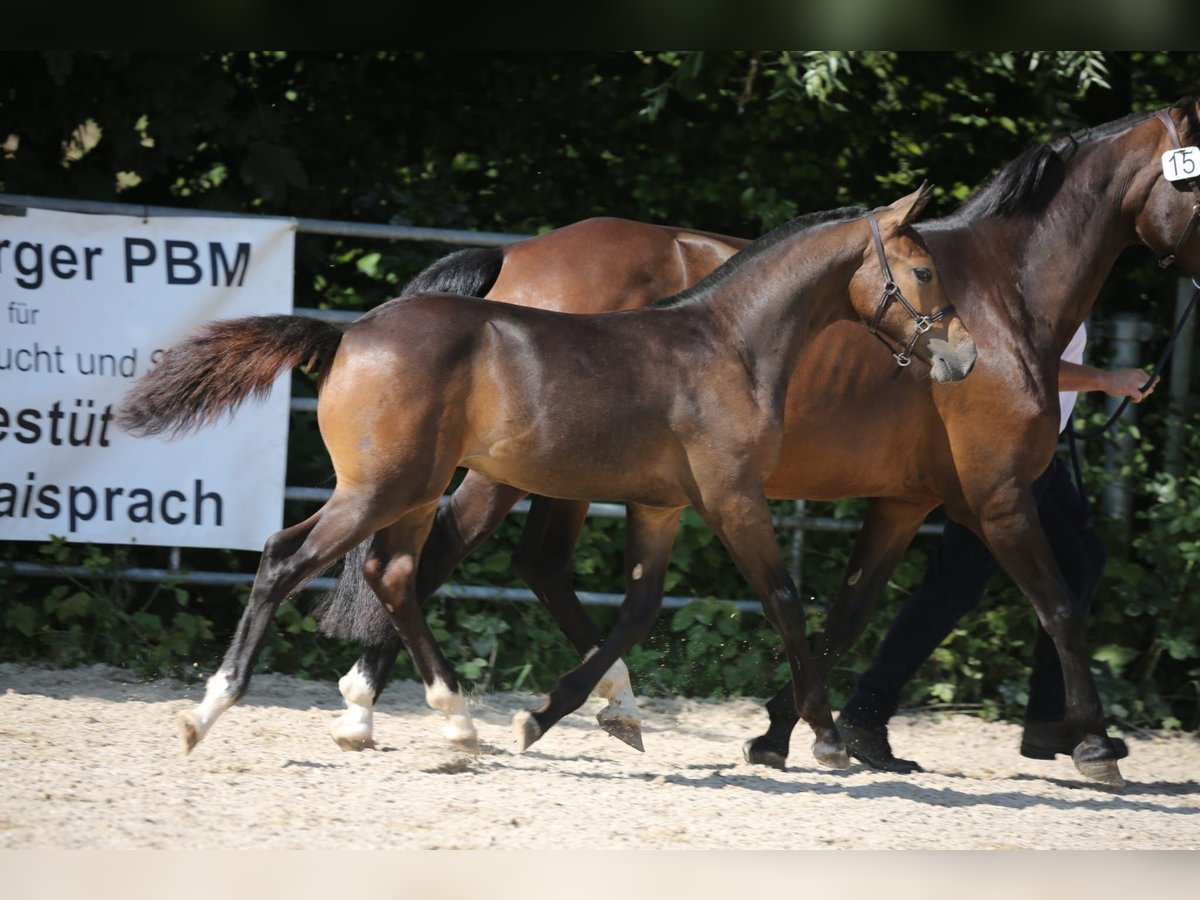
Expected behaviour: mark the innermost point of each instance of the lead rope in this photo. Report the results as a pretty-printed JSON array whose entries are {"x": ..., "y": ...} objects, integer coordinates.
[{"x": 1073, "y": 436}]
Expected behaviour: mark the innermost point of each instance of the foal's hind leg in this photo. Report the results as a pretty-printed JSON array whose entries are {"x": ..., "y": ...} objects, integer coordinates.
[
  {"x": 649, "y": 533},
  {"x": 290, "y": 558},
  {"x": 475, "y": 510},
  {"x": 543, "y": 559},
  {"x": 391, "y": 571},
  {"x": 887, "y": 531}
]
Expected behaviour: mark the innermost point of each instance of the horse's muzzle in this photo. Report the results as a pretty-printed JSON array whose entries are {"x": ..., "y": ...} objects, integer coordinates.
[{"x": 952, "y": 358}]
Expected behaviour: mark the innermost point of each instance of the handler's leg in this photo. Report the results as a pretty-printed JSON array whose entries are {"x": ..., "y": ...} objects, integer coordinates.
[{"x": 956, "y": 577}]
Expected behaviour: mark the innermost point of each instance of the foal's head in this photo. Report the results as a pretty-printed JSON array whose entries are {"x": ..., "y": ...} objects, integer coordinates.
[{"x": 898, "y": 293}]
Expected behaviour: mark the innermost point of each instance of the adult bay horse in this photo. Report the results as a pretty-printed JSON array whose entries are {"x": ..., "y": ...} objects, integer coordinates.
[
  {"x": 1025, "y": 257},
  {"x": 676, "y": 405}
]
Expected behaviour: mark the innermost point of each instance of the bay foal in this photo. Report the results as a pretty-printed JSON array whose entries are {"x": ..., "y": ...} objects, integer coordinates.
[{"x": 678, "y": 404}]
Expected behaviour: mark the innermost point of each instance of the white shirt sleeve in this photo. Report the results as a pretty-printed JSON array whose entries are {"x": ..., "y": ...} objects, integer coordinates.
[{"x": 1073, "y": 354}]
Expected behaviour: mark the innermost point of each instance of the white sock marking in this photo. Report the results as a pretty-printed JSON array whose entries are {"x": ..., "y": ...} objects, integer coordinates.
[
  {"x": 217, "y": 698},
  {"x": 459, "y": 728},
  {"x": 356, "y": 724}
]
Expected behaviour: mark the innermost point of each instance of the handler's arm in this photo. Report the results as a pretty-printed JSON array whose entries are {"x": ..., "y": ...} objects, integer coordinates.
[{"x": 1114, "y": 382}]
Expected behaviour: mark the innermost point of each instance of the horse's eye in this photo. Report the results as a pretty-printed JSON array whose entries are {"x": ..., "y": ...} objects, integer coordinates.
[{"x": 923, "y": 275}]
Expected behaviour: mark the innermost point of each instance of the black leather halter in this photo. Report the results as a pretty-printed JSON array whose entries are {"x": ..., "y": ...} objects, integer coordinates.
[
  {"x": 1193, "y": 183},
  {"x": 892, "y": 292}
]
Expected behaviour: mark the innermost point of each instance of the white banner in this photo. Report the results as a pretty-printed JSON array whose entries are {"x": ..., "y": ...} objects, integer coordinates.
[{"x": 87, "y": 304}]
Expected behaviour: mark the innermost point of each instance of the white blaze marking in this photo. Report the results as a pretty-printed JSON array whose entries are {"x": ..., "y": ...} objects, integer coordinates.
[
  {"x": 459, "y": 728},
  {"x": 637, "y": 572}
]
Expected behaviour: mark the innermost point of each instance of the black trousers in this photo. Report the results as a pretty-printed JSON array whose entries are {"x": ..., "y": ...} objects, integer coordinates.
[{"x": 955, "y": 579}]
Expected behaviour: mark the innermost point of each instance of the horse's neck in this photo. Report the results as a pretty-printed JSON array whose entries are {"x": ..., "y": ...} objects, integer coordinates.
[
  {"x": 1067, "y": 251},
  {"x": 772, "y": 307}
]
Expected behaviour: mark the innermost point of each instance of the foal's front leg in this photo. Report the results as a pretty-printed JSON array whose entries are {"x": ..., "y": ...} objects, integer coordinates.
[
  {"x": 649, "y": 534},
  {"x": 743, "y": 523},
  {"x": 887, "y": 531},
  {"x": 543, "y": 558}
]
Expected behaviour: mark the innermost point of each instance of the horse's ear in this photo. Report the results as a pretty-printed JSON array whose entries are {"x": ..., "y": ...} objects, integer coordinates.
[{"x": 908, "y": 209}]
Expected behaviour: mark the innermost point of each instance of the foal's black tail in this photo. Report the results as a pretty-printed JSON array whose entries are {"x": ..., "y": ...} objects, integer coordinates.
[
  {"x": 351, "y": 611},
  {"x": 218, "y": 367}
]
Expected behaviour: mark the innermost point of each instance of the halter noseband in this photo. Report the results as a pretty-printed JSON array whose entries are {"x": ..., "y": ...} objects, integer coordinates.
[
  {"x": 1193, "y": 183},
  {"x": 891, "y": 291}
]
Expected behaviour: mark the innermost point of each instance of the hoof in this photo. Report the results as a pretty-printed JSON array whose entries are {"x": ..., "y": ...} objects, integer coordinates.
[
  {"x": 351, "y": 737},
  {"x": 189, "y": 732},
  {"x": 525, "y": 729},
  {"x": 468, "y": 744},
  {"x": 1045, "y": 740},
  {"x": 1103, "y": 771},
  {"x": 831, "y": 755},
  {"x": 757, "y": 757},
  {"x": 625, "y": 728}
]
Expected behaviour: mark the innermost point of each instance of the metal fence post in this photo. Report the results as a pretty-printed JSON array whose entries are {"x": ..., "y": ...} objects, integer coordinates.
[
  {"x": 798, "y": 511},
  {"x": 1180, "y": 381},
  {"x": 1128, "y": 330}
]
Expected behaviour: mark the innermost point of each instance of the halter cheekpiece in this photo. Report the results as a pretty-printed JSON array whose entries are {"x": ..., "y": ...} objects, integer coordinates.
[{"x": 892, "y": 292}]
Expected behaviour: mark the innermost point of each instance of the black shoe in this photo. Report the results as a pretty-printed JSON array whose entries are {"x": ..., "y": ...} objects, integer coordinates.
[
  {"x": 871, "y": 748},
  {"x": 1045, "y": 740}
]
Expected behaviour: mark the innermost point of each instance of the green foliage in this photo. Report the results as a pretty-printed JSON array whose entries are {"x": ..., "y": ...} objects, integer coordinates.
[
  {"x": 99, "y": 616},
  {"x": 728, "y": 141}
]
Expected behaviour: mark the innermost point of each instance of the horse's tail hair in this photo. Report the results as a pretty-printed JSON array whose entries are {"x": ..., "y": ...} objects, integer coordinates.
[
  {"x": 470, "y": 272},
  {"x": 218, "y": 367},
  {"x": 351, "y": 611}
]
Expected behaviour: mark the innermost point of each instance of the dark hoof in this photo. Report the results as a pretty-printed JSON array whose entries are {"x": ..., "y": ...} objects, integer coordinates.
[
  {"x": 1046, "y": 740},
  {"x": 760, "y": 757},
  {"x": 525, "y": 729},
  {"x": 627, "y": 729},
  {"x": 871, "y": 748}
]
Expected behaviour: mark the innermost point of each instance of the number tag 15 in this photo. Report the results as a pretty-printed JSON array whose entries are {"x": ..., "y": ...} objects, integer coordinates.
[{"x": 1181, "y": 163}]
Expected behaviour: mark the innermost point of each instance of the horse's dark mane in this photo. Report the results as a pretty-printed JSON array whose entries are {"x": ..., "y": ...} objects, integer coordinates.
[
  {"x": 757, "y": 248},
  {"x": 1031, "y": 180}
]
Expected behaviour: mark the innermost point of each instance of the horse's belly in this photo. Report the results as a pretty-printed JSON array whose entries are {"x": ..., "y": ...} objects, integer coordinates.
[
  {"x": 581, "y": 475},
  {"x": 820, "y": 462}
]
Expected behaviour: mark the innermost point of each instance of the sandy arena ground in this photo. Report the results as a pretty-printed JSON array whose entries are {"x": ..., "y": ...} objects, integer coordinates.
[{"x": 89, "y": 759}]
